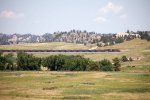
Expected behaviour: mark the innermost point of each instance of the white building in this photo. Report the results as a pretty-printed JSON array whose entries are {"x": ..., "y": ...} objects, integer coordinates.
[{"x": 122, "y": 34}]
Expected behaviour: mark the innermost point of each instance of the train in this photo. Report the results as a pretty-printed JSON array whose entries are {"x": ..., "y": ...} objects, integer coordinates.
[{"x": 104, "y": 50}]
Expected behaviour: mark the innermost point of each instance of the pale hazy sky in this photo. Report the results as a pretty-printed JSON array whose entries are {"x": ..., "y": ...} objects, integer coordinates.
[{"x": 102, "y": 16}]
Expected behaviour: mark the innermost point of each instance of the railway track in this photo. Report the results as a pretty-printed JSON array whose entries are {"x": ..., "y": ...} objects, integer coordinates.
[{"x": 104, "y": 50}]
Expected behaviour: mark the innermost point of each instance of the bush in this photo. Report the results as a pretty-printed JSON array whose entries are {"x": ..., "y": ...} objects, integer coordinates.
[
  {"x": 119, "y": 40},
  {"x": 130, "y": 59},
  {"x": 28, "y": 62},
  {"x": 124, "y": 59},
  {"x": 117, "y": 64},
  {"x": 7, "y": 61},
  {"x": 69, "y": 63},
  {"x": 105, "y": 65},
  {"x": 92, "y": 66}
]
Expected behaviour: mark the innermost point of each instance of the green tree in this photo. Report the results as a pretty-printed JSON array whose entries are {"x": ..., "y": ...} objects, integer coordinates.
[
  {"x": 2, "y": 62},
  {"x": 92, "y": 66},
  {"x": 128, "y": 31},
  {"x": 117, "y": 65},
  {"x": 28, "y": 62},
  {"x": 7, "y": 61},
  {"x": 119, "y": 40},
  {"x": 105, "y": 65}
]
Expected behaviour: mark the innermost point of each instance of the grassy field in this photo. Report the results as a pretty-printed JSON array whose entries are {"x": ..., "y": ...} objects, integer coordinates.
[
  {"x": 46, "y": 85},
  {"x": 46, "y": 46},
  {"x": 131, "y": 83}
]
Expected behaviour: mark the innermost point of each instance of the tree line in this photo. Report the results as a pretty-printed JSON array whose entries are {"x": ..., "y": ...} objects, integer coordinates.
[
  {"x": 25, "y": 61},
  {"x": 144, "y": 35}
]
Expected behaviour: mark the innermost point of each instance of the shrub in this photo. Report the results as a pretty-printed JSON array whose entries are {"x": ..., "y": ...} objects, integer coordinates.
[
  {"x": 105, "y": 65},
  {"x": 117, "y": 64},
  {"x": 70, "y": 63},
  {"x": 124, "y": 59},
  {"x": 92, "y": 66},
  {"x": 6, "y": 61},
  {"x": 119, "y": 40},
  {"x": 28, "y": 62},
  {"x": 130, "y": 59}
]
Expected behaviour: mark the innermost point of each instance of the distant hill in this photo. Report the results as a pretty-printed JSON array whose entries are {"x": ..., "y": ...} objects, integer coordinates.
[{"x": 74, "y": 36}]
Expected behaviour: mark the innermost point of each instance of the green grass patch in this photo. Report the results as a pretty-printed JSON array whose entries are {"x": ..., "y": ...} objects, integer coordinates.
[{"x": 72, "y": 85}]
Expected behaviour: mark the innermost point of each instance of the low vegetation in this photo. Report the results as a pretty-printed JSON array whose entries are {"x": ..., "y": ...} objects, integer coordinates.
[
  {"x": 7, "y": 62},
  {"x": 28, "y": 62},
  {"x": 48, "y": 85},
  {"x": 25, "y": 61}
]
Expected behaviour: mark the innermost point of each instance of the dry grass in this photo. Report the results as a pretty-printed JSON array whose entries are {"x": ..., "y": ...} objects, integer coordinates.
[
  {"x": 128, "y": 96},
  {"x": 46, "y": 85},
  {"x": 46, "y": 46}
]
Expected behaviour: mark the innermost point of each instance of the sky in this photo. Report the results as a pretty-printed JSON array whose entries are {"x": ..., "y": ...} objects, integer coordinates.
[{"x": 48, "y": 16}]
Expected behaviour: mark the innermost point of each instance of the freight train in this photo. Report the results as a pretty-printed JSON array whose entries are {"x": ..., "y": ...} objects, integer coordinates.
[{"x": 104, "y": 50}]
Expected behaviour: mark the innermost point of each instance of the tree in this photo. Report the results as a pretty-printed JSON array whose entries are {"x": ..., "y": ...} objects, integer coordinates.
[
  {"x": 7, "y": 61},
  {"x": 48, "y": 37},
  {"x": 124, "y": 58},
  {"x": 105, "y": 65},
  {"x": 28, "y": 62},
  {"x": 128, "y": 31},
  {"x": 4, "y": 39},
  {"x": 130, "y": 59},
  {"x": 60, "y": 61},
  {"x": 116, "y": 63},
  {"x": 119, "y": 40},
  {"x": 92, "y": 66},
  {"x": 63, "y": 62},
  {"x": 2, "y": 62}
]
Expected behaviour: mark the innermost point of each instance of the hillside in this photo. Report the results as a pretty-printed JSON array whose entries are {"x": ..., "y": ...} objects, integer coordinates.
[
  {"x": 74, "y": 36},
  {"x": 136, "y": 44},
  {"x": 136, "y": 48},
  {"x": 132, "y": 44}
]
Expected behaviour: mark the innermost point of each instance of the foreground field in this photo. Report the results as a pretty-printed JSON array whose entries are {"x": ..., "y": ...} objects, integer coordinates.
[{"x": 46, "y": 85}]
